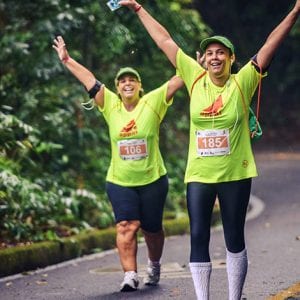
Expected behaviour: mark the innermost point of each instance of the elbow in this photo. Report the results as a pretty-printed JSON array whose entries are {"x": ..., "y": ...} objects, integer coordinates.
[
  {"x": 264, "y": 58},
  {"x": 164, "y": 42}
]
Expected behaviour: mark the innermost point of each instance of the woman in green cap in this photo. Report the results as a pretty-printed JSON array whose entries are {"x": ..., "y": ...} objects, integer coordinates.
[
  {"x": 137, "y": 182},
  {"x": 220, "y": 159}
]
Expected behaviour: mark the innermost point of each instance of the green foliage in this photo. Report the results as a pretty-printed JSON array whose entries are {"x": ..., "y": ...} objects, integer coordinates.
[
  {"x": 54, "y": 155},
  {"x": 28, "y": 212}
]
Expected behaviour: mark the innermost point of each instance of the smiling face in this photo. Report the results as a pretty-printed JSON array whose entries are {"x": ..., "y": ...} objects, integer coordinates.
[
  {"x": 218, "y": 61},
  {"x": 128, "y": 88}
]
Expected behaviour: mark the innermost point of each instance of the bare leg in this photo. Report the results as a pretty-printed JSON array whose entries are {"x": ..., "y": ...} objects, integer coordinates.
[
  {"x": 127, "y": 244},
  {"x": 155, "y": 244}
]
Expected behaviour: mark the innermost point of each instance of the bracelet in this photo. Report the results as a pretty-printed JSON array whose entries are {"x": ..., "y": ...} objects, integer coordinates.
[
  {"x": 137, "y": 8},
  {"x": 65, "y": 59}
]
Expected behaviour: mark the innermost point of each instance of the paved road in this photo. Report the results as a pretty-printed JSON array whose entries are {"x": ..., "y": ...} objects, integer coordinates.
[{"x": 273, "y": 248}]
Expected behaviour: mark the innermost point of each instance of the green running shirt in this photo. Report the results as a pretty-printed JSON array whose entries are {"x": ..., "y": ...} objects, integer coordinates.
[
  {"x": 135, "y": 156},
  {"x": 219, "y": 147}
]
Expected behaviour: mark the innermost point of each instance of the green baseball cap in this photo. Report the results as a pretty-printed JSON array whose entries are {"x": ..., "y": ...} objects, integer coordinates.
[
  {"x": 127, "y": 71},
  {"x": 216, "y": 39}
]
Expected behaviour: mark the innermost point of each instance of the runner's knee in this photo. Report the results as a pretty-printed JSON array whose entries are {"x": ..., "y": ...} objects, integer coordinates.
[{"x": 125, "y": 227}]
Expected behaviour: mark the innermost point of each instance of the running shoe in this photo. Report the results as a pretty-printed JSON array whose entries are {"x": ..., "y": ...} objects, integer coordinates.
[
  {"x": 130, "y": 282},
  {"x": 153, "y": 274}
]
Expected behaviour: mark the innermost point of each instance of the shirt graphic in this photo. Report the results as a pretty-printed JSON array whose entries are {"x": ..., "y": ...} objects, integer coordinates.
[
  {"x": 214, "y": 109},
  {"x": 129, "y": 130}
]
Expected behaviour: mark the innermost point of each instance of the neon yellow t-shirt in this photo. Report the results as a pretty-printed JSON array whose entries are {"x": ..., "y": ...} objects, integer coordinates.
[
  {"x": 135, "y": 156},
  {"x": 220, "y": 147}
]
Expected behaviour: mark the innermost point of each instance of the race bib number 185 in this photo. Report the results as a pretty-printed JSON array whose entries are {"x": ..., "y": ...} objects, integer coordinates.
[{"x": 213, "y": 142}]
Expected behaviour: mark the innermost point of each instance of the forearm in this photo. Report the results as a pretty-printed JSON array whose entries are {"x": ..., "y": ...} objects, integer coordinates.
[
  {"x": 276, "y": 37},
  {"x": 157, "y": 32},
  {"x": 175, "y": 83},
  {"x": 85, "y": 76}
]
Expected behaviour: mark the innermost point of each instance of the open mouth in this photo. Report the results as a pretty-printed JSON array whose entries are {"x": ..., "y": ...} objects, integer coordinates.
[
  {"x": 216, "y": 65},
  {"x": 128, "y": 91}
]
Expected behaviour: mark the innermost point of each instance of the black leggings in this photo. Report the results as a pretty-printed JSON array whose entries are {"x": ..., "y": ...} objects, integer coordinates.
[{"x": 233, "y": 198}]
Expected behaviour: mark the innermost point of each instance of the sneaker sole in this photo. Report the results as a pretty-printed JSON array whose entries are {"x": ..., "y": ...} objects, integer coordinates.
[
  {"x": 151, "y": 283},
  {"x": 128, "y": 288}
]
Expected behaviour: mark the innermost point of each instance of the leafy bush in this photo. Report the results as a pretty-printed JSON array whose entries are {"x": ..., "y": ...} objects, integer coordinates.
[
  {"x": 28, "y": 212},
  {"x": 53, "y": 154}
]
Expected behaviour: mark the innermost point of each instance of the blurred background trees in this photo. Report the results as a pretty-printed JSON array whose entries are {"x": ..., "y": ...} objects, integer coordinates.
[{"x": 54, "y": 154}]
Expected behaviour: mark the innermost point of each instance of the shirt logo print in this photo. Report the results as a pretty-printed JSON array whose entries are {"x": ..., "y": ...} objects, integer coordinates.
[
  {"x": 129, "y": 130},
  {"x": 214, "y": 109}
]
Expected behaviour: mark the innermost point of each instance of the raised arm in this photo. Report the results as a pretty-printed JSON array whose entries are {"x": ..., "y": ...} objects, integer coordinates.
[
  {"x": 158, "y": 33},
  {"x": 174, "y": 85},
  {"x": 86, "y": 77},
  {"x": 276, "y": 37}
]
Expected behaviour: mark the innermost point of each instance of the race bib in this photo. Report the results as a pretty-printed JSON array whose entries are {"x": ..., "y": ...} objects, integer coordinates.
[
  {"x": 134, "y": 149},
  {"x": 213, "y": 142}
]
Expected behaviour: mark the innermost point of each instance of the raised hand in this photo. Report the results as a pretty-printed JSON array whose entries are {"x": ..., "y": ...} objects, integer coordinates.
[
  {"x": 132, "y": 4},
  {"x": 200, "y": 59},
  {"x": 61, "y": 49}
]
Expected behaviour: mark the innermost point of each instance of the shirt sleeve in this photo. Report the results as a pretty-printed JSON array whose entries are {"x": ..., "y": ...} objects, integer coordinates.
[
  {"x": 248, "y": 78},
  {"x": 188, "y": 68},
  {"x": 111, "y": 100},
  {"x": 156, "y": 100}
]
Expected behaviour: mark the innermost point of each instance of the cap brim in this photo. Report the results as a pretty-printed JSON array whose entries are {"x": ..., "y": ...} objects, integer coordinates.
[{"x": 223, "y": 41}]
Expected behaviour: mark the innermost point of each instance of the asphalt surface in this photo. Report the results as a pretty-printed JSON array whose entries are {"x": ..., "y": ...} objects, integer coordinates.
[{"x": 273, "y": 243}]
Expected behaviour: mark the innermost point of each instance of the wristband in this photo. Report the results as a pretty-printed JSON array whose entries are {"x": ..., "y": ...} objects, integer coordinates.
[
  {"x": 95, "y": 89},
  {"x": 137, "y": 8},
  {"x": 65, "y": 59}
]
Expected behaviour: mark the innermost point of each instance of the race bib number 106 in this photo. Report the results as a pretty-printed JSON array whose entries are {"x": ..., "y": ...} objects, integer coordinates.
[
  {"x": 134, "y": 149},
  {"x": 213, "y": 142}
]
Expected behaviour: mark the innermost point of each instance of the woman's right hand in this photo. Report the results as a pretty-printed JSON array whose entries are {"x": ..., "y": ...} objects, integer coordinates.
[{"x": 61, "y": 49}]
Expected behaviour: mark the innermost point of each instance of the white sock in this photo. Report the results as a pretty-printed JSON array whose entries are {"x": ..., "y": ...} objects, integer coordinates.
[
  {"x": 201, "y": 278},
  {"x": 237, "y": 266}
]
